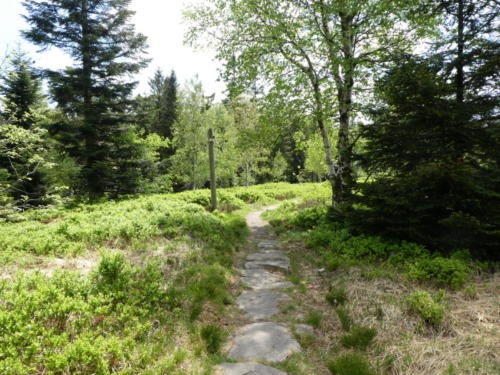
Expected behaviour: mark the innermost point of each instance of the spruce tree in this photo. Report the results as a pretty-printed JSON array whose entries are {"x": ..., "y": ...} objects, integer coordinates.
[
  {"x": 22, "y": 101},
  {"x": 21, "y": 91},
  {"x": 94, "y": 93},
  {"x": 164, "y": 96},
  {"x": 432, "y": 184}
]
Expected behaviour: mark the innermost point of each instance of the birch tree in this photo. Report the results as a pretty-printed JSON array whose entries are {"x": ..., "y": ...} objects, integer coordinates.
[{"x": 317, "y": 53}]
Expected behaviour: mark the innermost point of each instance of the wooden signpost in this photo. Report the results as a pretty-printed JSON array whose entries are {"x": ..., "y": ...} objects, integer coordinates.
[{"x": 211, "y": 155}]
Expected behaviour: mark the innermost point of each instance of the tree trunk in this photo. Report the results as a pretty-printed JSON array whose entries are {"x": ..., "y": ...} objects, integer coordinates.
[
  {"x": 320, "y": 121},
  {"x": 459, "y": 79},
  {"x": 344, "y": 76},
  {"x": 193, "y": 171},
  {"x": 247, "y": 183},
  {"x": 342, "y": 69}
]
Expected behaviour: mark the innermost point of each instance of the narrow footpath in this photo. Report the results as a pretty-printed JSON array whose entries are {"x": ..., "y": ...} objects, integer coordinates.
[{"x": 263, "y": 274}]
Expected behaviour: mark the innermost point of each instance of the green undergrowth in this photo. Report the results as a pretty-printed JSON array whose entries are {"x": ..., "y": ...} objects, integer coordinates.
[
  {"x": 427, "y": 307},
  {"x": 74, "y": 229},
  {"x": 350, "y": 363},
  {"x": 382, "y": 295},
  {"x": 340, "y": 247},
  {"x": 144, "y": 308},
  {"x": 123, "y": 318}
]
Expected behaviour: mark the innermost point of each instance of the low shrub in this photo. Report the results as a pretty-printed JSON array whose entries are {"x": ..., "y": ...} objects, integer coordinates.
[
  {"x": 250, "y": 196},
  {"x": 336, "y": 296},
  {"x": 350, "y": 364},
  {"x": 358, "y": 338},
  {"x": 344, "y": 318},
  {"x": 207, "y": 283},
  {"x": 309, "y": 218},
  {"x": 423, "y": 304},
  {"x": 213, "y": 337},
  {"x": 338, "y": 247},
  {"x": 451, "y": 273},
  {"x": 114, "y": 273},
  {"x": 314, "y": 319},
  {"x": 71, "y": 324},
  {"x": 229, "y": 202}
]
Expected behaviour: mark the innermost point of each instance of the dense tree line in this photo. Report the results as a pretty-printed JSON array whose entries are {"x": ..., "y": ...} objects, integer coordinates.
[
  {"x": 433, "y": 143},
  {"x": 404, "y": 96},
  {"x": 101, "y": 141},
  {"x": 395, "y": 103}
]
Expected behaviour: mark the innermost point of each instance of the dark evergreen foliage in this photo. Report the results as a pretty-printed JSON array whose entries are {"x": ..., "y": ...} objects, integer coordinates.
[
  {"x": 434, "y": 183},
  {"x": 22, "y": 98},
  {"x": 164, "y": 99},
  {"x": 94, "y": 93},
  {"x": 164, "y": 92},
  {"x": 21, "y": 91},
  {"x": 433, "y": 147}
]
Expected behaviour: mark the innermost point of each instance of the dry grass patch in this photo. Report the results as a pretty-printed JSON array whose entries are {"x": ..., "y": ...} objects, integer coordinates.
[{"x": 465, "y": 343}]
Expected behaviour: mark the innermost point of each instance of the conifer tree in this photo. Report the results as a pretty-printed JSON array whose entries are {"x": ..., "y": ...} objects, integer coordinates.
[
  {"x": 164, "y": 96},
  {"x": 22, "y": 137},
  {"x": 432, "y": 183},
  {"x": 21, "y": 91},
  {"x": 94, "y": 92}
]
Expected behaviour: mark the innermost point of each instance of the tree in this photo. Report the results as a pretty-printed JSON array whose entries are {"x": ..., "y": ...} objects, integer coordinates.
[
  {"x": 164, "y": 98},
  {"x": 315, "y": 162},
  {"x": 432, "y": 183},
  {"x": 190, "y": 163},
  {"x": 21, "y": 91},
  {"x": 471, "y": 30},
  {"x": 314, "y": 52},
  {"x": 94, "y": 92},
  {"x": 164, "y": 92},
  {"x": 22, "y": 154},
  {"x": 22, "y": 139},
  {"x": 253, "y": 136},
  {"x": 469, "y": 45}
]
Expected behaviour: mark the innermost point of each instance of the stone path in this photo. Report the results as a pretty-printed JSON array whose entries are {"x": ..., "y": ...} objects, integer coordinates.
[{"x": 264, "y": 274}]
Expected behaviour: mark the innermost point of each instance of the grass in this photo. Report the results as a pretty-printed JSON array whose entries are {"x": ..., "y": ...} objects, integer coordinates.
[
  {"x": 359, "y": 338},
  {"x": 124, "y": 287},
  {"x": 337, "y": 296},
  {"x": 350, "y": 364},
  {"x": 344, "y": 318},
  {"x": 377, "y": 278},
  {"x": 314, "y": 319},
  {"x": 213, "y": 337}
]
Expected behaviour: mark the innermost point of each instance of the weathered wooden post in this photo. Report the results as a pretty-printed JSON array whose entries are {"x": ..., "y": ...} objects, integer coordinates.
[{"x": 211, "y": 154}]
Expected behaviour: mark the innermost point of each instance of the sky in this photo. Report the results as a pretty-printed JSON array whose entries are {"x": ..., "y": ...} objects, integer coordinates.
[{"x": 159, "y": 20}]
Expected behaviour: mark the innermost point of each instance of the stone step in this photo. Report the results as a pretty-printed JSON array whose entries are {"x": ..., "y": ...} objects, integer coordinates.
[
  {"x": 268, "y": 255},
  {"x": 268, "y": 244},
  {"x": 247, "y": 368},
  {"x": 277, "y": 264},
  {"x": 261, "y": 279},
  {"x": 261, "y": 304},
  {"x": 268, "y": 342}
]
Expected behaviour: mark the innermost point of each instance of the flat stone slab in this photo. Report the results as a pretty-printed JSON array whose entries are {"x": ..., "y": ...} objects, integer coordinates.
[
  {"x": 280, "y": 264},
  {"x": 247, "y": 368},
  {"x": 261, "y": 304},
  {"x": 268, "y": 255},
  {"x": 268, "y": 342},
  {"x": 268, "y": 244},
  {"x": 261, "y": 279}
]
